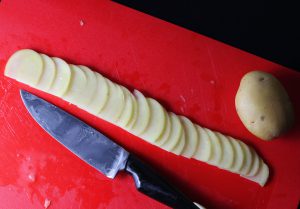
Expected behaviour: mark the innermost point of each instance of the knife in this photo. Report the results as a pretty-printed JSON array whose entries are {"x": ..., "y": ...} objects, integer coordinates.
[{"x": 102, "y": 153}]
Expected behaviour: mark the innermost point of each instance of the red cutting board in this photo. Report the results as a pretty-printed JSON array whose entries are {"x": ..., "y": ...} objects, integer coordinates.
[{"x": 189, "y": 73}]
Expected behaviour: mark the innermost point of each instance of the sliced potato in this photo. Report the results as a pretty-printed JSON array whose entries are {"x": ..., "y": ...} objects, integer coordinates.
[
  {"x": 166, "y": 135},
  {"x": 248, "y": 158},
  {"x": 157, "y": 123},
  {"x": 62, "y": 77},
  {"x": 239, "y": 154},
  {"x": 143, "y": 116},
  {"x": 100, "y": 98},
  {"x": 255, "y": 163},
  {"x": 204, "y": 148},
  {"x": 262, "y": 175},
  {"x": 128, "y": 110},
  {"x": 217, "y": 150},
  {"x": 178, "y": 149},
  {"x": 25, "y": 66},
  {"x": 191, "y": 137},
  {"x": 90, "y": 88},
  {"x": 48, "y": 74},
  {"x": 77, "y": 85},
  {"x": 175, "y": 135},
  {"x": 115, "y": 104},
  {"x": 228, "y": 153},
  {"x": 134, "y": 113}
]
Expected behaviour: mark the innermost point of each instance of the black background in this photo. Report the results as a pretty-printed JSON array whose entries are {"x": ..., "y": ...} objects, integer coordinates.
[{"x": 267, "y": 29}]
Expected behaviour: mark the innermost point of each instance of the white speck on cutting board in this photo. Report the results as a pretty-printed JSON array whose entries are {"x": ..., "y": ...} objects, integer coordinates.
[
  {"x": 31, "y": 177},
  {"x": 213, "y": 65},
  {"x": 47, "y": 203},
  {"x": 81, "y": 23}
]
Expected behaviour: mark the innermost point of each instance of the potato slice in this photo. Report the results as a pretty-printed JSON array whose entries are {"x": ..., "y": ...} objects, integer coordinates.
[
  {"x": 255, "y": 163},
  {"x": 48, "y": 74},
  {"x": 248, "y": 158},
  {"x": 191, "y": 137},
  {"x": 239, "y": 156},
  {"x": 157, "y": 123},
  {"x": 143, "y": 116},
  {"x": 180, "y": 145},
  {"x": 175, "y": 135},
  {"x": 166, "y": 135},
  {"x": 90, "y": 88},
  {"x": 128, "y": 111},
  {"x": 25, "y": 66},
  {"x": 134, "y": 113},
  {"x": 204, "y": 148},
  {"x": 77, "y": 85},
  {"x": 115, "y": 104},
  {"x": 62, "y": 77},
  {"x": 228, "y": 153},
  {"x": 101, "y": 95},
  {"x": 262, "y": 175},
  {"x": 217, "y": 149}
]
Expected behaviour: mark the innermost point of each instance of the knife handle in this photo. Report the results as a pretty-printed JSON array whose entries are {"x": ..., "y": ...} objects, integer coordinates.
[{"x": 152, "y": 185}]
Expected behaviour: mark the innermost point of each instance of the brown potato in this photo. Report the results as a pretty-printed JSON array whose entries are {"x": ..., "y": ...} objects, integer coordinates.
[{"x": 263, "y": 105}]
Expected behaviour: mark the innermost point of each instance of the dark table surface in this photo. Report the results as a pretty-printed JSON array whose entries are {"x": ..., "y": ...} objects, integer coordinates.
[{"x": 268, "y": 30}]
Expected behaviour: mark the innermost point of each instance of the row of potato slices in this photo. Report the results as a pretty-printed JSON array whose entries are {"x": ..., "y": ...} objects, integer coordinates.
[{"x": 139, "y": 115}]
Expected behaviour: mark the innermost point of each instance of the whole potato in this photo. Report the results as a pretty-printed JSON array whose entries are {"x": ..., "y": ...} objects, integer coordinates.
[{"x": 263, "y": 105}]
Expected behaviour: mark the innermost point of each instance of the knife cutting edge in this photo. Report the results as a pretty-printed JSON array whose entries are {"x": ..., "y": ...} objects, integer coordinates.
[{"x": 102, "y": 153}]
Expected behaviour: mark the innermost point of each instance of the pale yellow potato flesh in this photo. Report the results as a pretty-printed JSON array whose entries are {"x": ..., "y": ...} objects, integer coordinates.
[
  {"x": 134, "y": 113},
  {"x": 143, "y": 115},
  {"x": 157, "y": 123},
  {"x": 100, "y": 97},
  {"x": 77, "y": 85},
  {"x": 178, "y": 149},
  {"x": 262, "y": 175},
  {"x": 239, "y": 156},
  {"x": 175, "y": 135},
  {"x": 255, "y": 163},
  {"x": 166, "y": 135},
  {"x": 228, "y": 153},
  {"x": 248, "y": 159},
  {"x": 62, "y": 78},
  {"x": 115, "y": 104},
  {"x": 25, "y": 66},
  {"x": 90, "y": 88},
  {"x": 128, "y": 110},
  {"x": 217, "y": 149},
  {"x": 191, "y": 137},
  {"x": 48, "y": 74},
  {"x": 204, "y": 147}
]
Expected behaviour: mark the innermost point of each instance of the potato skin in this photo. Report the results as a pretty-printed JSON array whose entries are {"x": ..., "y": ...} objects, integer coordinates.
[{"x": 263, "y": 105}]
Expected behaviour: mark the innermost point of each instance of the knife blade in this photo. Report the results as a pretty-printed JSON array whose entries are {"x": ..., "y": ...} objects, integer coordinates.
[{"x": 101, "y": 152}]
